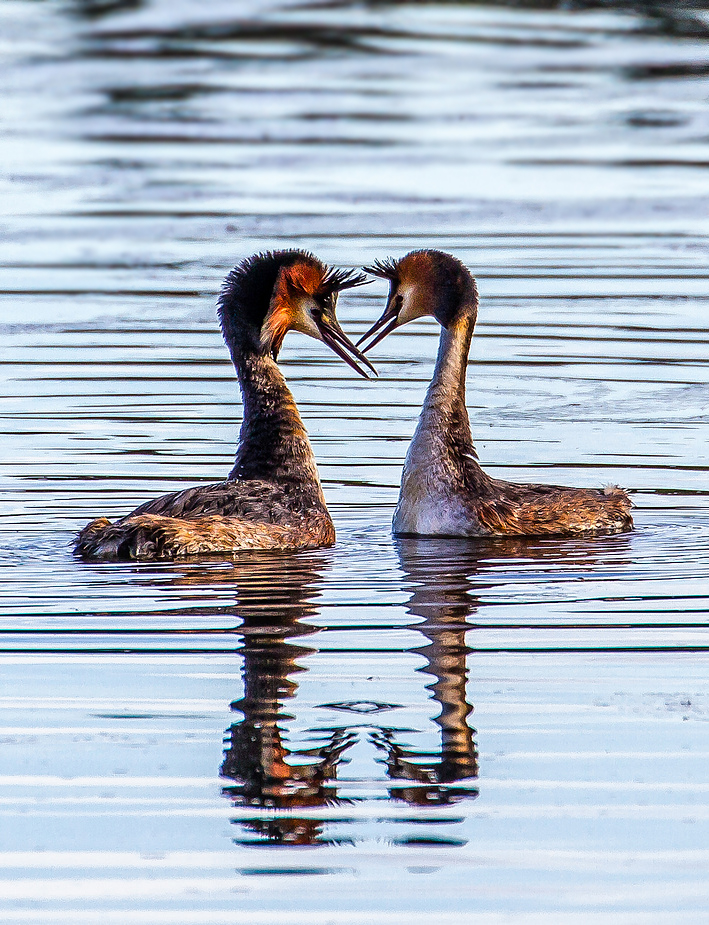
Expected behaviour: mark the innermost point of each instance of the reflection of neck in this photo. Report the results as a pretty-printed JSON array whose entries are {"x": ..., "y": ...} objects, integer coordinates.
[
  {"x": 273, "y": 443},
  {"x": 257, "y": 754},
  {"x": 446, "y": 610},
  {"x": 446, "y": 657},
  {"x": 256, "y": 762}
]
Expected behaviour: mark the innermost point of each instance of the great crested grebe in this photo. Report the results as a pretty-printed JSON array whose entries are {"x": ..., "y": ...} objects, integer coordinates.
[
  {"x": 272, "y": 498},
  {"x": 444, "y": 492}
]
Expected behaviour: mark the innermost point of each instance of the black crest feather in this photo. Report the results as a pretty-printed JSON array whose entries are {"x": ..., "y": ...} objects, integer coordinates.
[
  {"x": 385, "y": 269},
  {"x": 336, "y": 280},
  {"x": 247, "y": 290}
]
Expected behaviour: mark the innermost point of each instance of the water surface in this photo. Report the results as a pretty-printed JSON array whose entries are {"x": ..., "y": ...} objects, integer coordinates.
[{"x": 385, "y": 731}]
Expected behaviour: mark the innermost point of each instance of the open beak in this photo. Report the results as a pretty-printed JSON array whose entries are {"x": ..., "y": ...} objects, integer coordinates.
[
  {"x": 336, "y": 339},
  {"x": 383, "y": 326}
]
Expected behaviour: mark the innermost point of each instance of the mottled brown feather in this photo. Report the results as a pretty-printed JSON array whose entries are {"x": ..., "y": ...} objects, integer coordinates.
[
  {"x": 545, "y": 510},
  {"x": 152, "y": 536}
]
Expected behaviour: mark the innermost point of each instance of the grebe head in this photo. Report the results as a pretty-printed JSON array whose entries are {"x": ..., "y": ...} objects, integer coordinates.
[
  {"x": 425, "y": 282},
  {"x": 269, "y": 294}
]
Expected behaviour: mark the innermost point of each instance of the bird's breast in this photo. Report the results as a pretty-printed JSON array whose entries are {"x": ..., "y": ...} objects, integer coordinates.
[
  {"x": 434, "y": 517},
  {"x": 430, "y": 505}
]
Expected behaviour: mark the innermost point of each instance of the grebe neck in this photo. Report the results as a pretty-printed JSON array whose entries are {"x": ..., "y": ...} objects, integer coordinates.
[
  {"x": 441, "y": 471},
  {"x": 273, "y": 443},
  {"x": 444, "y": 405}
]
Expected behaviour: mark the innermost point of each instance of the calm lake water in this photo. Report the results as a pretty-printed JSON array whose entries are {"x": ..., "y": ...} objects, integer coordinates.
[{"x": 387, "y": 731}]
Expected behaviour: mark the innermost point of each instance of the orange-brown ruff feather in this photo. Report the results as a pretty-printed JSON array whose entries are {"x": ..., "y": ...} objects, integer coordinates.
[
  {"x": 272, "y": 498},
  {"x": 444, "y": 491},
  {"x": 292, "y": 281}
]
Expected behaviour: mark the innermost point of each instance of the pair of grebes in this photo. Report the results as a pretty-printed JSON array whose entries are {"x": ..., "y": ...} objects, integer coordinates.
[{"x": 272, "y": 498}]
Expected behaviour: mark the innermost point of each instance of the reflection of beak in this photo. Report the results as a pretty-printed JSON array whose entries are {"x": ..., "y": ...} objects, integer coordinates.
[
  {"x": 336, "y": 339},
  {"x": 385, "y": 325}
]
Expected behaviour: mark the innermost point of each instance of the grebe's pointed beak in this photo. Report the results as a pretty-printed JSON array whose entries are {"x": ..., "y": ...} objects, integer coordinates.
[
  {"x": 336, "y": 339},
  {"x": 383, "y": 326}
]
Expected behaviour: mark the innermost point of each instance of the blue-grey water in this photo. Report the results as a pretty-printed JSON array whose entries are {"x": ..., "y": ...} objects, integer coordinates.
[{"x": 387, "y": 731}]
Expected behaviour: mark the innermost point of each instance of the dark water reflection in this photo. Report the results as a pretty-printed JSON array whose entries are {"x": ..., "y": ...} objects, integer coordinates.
[
  {"x": 259, "y": 759},
  {"x": 276, "y": 779},
  {"x": 271, "y": 774}
]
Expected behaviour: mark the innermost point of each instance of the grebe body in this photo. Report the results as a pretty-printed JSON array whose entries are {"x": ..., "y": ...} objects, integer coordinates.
[
  {"x": 444, "y": 491},
  {"x": 272, "y": 498}
]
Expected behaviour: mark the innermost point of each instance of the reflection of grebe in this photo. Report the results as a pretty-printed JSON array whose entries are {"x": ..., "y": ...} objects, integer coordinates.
[
  {"x": 278, "y": 778},
  {"x": 440, "y": 588},
  {"x": 272, "y": 498},
  {"x": 444, "y": 492},
  {"x": 265, "y": 772}
]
